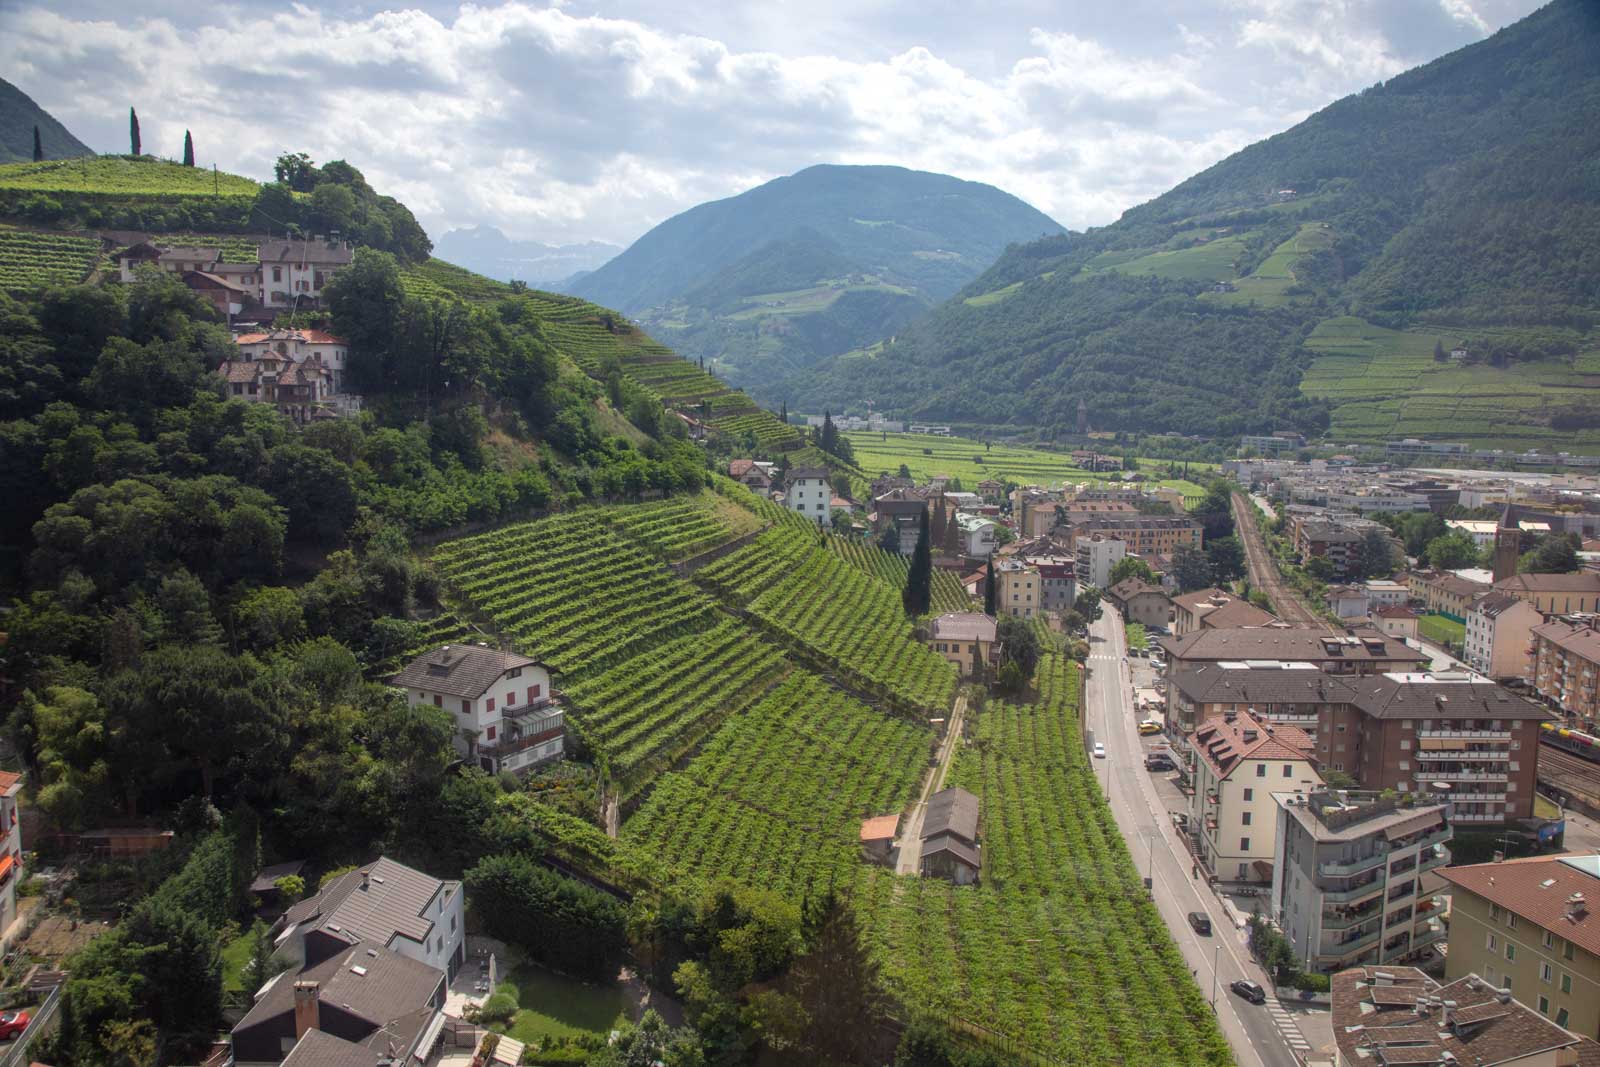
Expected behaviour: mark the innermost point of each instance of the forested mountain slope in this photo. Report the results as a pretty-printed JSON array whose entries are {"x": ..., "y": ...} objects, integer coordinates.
[
  {"x": 1321, "y": 276},
  {"x": 18, "y": 116},
  {"x": 768, "y": 282}
]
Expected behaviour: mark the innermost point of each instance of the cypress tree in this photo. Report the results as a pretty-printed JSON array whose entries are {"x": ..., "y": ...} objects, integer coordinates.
[
  {"x": 784, "y": 414},
  {"x": 38, "y": 146},
  {"x": 133, "y": 132},
  {"x": 919, "y": 580},
  {"x": 990, "y": 594},
  {"x": 952, "y": 536},
  {"x": 188, "y": 149},
  {"x": 939, "y": 522}
]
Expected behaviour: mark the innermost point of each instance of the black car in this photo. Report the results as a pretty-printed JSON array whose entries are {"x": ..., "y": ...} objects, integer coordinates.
[
  {"x": 1249, "y": 990},
  {"x": 1201, "y": 922},
  {"x": 1159, "y": 762}
]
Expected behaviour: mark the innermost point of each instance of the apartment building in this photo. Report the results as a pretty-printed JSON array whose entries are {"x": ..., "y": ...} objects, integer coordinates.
[
  {"x": 1058, "y": 585},
  {"x": 1018, "y": 591},
  {"x": 1348, "y": 885},
  {"x": 1217, "y": 609},
  {"x": 1564, "y": 665},
  {"x": 1527, "y": 925},
  {"x": 1094, "y": 556},
  {"x": 1445, "y": 593},
  {"x": 1239, "y": 761},
  {"x": 1144, "y": 535},
  {"x": 1499, "y": 632},
  {"x": 1140, "y": 602},
  {"x": 1338, "y": 544}
]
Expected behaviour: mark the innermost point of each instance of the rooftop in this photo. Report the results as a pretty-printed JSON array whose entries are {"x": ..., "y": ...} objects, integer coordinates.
[
  {"x": 1583, "y": 641},
  {"x": 464, "y": 671},
  {"x": 1129, "y": 588},
  {"x": 1282, "y": 643},
  {"x": 964, "y": 626},
  {"x": 1226, "y": 745},
  {"x": 1540, "y": 889},
  {"x": 377, "y": 902},
  {"x": 1576, "y": 582},
  {"x": 880, "y": 828},
  {"x": 366, "y": 980},
  {"x": 1348, "y": 815},
  {"x": 953, "y": 811}
]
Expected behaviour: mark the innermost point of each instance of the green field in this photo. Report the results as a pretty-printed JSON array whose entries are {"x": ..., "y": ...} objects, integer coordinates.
[
  {"x": 30, "y": 260},
  {"x": 1267, "y": 285},
  {"x": 555, "y": 1006},
  {"x": 1137, "y": 638},
  {"x": 1442, "y": 631},
  {"x": 119, "y": 175},
  {"x": 1386, "y": 384}
]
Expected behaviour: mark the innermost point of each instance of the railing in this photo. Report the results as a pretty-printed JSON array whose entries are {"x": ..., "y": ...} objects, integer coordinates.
[
  {"x": 1355, "y": 944},
  {"x": 1344, "y": 922},
  {"x": 1493, "y": 734},
  {"x": 1461, "y": 756},
  {"x": 518, "y": 711},
  {"x": 42, "y": 1017},
  {"x": 1336, "y": 869},
  {"x": 1438, "y": 859},
  {"x": 1360, "y": 892}
]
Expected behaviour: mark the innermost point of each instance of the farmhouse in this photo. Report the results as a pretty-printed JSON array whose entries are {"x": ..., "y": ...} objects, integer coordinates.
[
  {"x": 809, "y": 495},
  {"x": 966, "y": 639},
  {"x": 300, "y": 346},
  {"x": 298, "y": 390},
  {"x": 505, "y": 712},
  {"x": 296, "y": 271}
]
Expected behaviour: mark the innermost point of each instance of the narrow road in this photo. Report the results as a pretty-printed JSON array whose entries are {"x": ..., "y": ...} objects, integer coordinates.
[
  {"x": 909, "y": 859},
  {"x": 1264, "y": 571},
  {"x": 1158, "y": 853}
]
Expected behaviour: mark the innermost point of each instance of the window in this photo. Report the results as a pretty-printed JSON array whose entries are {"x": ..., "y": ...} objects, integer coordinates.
[
  {"x": 1288, "y": 770},
  {"x": 1244, "y": 844},
  {"x": 1491, "y": 943},
  {"x": 277, "y": 274},
  {"x": 1511, "y": 921},
  {"x": 1561, "y": 1017},
  {"x": 1566, "y": 983},
  {"x": 1405, "y": 746},
  {"x": 511, "y": 697},
  {"x": 1405, "y": 765},
  {"x": 1511, "y": 952},
  {"x": 490, "y": 733},
  {"x": 438, "y": 701},
  {"x": 514, "y": 672},
  {"x": 1246, "y": 818},
  {"x": 466, "y": 707},
  {"x": 489, "y": 704},
  {"x": 1546, "y": 972},
  {"x": 1544, "y": 1005},
  {"x": 1249, "y": 795},
  {"x": 1261, "y": 770},
  {"x": 1494, "y": 912},
  {"x": 452, "y": 921},
  {"x": 1566, "y": 951},
  {"x": 1549, "y": 939},
  {"x": 1505, "y": 982}
]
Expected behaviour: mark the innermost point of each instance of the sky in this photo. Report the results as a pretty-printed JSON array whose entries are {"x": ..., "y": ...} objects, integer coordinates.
[{"x": 595, "y": 120}]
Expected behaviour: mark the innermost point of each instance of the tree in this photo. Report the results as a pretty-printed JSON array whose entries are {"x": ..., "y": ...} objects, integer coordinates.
[
  {"x": 837, "y": 988},
  {"x": 1191, "y": 569},
  {"x": 557, "y": 920},
  {"x": 296, "y": 170},
  {"x": 1376, "y": 555},
  {"x": 1320, "y": 568},
  {"x": 1132, "y": 567},
  {"x": 940, "y": 520},
  {"x": 1019, "y": 644},
  {"x": 1452, "y": 551},
  {"x": 918, "y": 592},
  {"x": 188, "y": 149},
  {"x": 133, "y": 133},
  {"x": 952, "y": 537},
  {"x": 1557, "y": 553},
  {"x": 990, "y": 593},
  {"x": 1438, "y": 352},
  {"x": 38, "y": 146},
  {"x": 1226, "y": 557},
  {"x": 890, "y": 540},
  {"x": 651, "y": 1044}
]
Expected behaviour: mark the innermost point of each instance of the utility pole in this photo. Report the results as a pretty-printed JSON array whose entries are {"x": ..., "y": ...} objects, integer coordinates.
[{"x": 1150, "y": 867}]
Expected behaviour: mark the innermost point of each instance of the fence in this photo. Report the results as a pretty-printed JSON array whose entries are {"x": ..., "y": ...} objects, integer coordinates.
[{"x": 43, "y": 1018}]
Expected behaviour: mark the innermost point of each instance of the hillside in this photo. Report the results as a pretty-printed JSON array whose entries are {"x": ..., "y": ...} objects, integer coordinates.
[
  {"x": 1306, "y": 281},
  {"x": 18, "y": 116},
  {"x": 766, "y": 283}
]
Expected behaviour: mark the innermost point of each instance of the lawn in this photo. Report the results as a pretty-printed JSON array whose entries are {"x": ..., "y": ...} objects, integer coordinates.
[
  {"x": 1137, "y": 638},
  {"x": 235, "y": 957},
  {"x": 554, "y": 1006},
  {"x": 1443, "y": 631}
]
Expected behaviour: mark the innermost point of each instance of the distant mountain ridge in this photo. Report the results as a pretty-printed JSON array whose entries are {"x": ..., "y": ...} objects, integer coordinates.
[
  {"x": 18, "y": 116},
  {"x": 1309, "y": 281},
  {"x": 487, "y": 251},
  {"x": 832, "y": 258}
]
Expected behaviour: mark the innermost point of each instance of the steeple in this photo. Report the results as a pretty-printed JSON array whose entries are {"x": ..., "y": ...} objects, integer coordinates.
[{"x": 1507, "y": 543}]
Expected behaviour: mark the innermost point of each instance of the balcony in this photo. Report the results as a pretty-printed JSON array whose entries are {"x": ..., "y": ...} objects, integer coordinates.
[
  {"x": 1440, "y": 755},
  {"x": 1480, "y": 795},
  {"x": 1337, "y": 921},
  {"x": 1349, "y": 868},
  {"x": 522, "y": 711},
  {"x": 1341, "y": 949},
  {"x": 1439, "y": 858},
  {"x": 1473, "y": 735},
  {"x": 1350, "y": 896}
]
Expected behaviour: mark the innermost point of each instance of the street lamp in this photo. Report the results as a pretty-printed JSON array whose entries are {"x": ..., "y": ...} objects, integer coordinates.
[{"x": 1216, "y": 953}]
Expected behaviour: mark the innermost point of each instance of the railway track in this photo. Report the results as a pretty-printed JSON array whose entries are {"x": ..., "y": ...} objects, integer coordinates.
[
  {"x": 1264, "y": 573},
  {"x": 1569, "y": 774}
]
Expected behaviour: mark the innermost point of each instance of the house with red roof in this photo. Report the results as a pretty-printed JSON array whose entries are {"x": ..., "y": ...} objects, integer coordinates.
[
  {"x": 300, "y": 346},
  {"x": 1240, "y": 760}
]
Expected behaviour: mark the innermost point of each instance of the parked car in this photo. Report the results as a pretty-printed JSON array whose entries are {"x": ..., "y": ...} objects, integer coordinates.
[
  {"x": 1249, "y": 990},
  {"x": 1159, "y": 761},
  {"x": 12, "y": 1024},
  {"x": 1201, "y": 923},
  {"x": 1149, "y": 726},
  {"x": 1180, "y": 819},
  {"x": 1099, "y": 750}
]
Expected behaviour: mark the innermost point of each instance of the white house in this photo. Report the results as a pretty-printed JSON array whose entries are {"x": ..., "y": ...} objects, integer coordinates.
[
  {"x": 1095, "y": 556},
  {"x": 977, "y": 535},
  {"x": 295, "y": 272},
  {"x": 301, "y": 346},
  {"x": 10, "y": 846},
  {"x": 505, "y": 712},
  {"x": 1499, "y": 634},
  {"x": 1240, "y": 761},
  {"x": 1381, "y": 592},
  {"x": 809, "y": 494}
]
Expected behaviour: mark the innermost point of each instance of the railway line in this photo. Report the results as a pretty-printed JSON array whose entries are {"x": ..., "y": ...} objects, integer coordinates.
[
  {"x": 1264, "y": 573},
  {"x": 1570, "y": 775}
]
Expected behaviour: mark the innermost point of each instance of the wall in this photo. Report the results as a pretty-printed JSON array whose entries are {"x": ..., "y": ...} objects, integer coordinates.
[{"x": 1472, "y": 922}]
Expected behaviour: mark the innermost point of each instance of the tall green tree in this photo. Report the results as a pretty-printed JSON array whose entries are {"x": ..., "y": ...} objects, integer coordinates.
[
  {"x": 133, "y": 133},
  {"x": 1377, "y": 555},
  {"x": 918, "y": 592},
  {"x": 1191, "y": 569},
  {"x": 1555, "y": 554},
  {"x": 952, "y": 537},
  {"x": 990, "y": 592},
  {"x": 1131, "y": 567},
  {"x": 940, "y": 520},
  {"x": 188, "y": 149},
  {"x": 38, "y": 146},
  {"x": 1226, "y": 557},
  {"x": 1452, "y": 551}
]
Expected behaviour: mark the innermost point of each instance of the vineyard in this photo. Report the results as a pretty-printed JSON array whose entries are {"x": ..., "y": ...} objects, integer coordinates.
[
  {"x": 119, "y": 175},
  {"x": 1057, "y": 948},
  {"x": 776, "y": 797},
  {"x": 762, "y": 427},
  {"x": 891, "y": 569},
  {"x": 234, "y": 248},
  {"x": 30, "y": 260},
  {"x": 570, "y": 590},
  {"x": 683, "y": 526},
  {"x": 645, "y": 712}
]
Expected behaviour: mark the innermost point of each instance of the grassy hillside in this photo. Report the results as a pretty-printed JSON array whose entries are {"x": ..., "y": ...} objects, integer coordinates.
[
  {"x": 1456, "y": 203},
  {"x": 123, "y": 175},
  {"x": 18, "y": 117}
]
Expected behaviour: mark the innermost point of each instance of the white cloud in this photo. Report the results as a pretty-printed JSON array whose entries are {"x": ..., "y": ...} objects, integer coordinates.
[{"x": 562, "y": 126}]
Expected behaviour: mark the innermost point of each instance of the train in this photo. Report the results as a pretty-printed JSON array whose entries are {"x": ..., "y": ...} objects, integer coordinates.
[{"x": 1569, "y": 740}]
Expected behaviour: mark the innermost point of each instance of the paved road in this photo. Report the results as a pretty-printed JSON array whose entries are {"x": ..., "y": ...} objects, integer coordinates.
[
  {"x": 908, "y": 860},
  {"x": 1264, "y": 572},
  {"x": 1252, "y": 1030}
]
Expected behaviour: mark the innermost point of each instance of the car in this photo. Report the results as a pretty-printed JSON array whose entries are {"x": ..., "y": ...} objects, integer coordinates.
[
  {"x": 1248, "y": 990},
  {"x": 13, "y": 1023},
  {"x": 1159, "y": 762},
  {"x": 1149, "y": 726},
  {"x": 1201, "y": 922},
  {"x": 1099, "y": 750}
]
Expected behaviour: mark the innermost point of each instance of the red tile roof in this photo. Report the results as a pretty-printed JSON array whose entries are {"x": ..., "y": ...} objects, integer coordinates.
[
  {"x": 880, "y": 828},
  {"x": 1223, "y": 745},
  {"x": 1519, "y": 886}
]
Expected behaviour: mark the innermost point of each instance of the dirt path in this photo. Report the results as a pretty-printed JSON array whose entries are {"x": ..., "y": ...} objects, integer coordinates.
[{"x": 909, "y": 858}]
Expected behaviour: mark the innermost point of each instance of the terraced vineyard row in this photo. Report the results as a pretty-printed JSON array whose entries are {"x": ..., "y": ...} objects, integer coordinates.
[
  {"x": 643, "y": 713},
  {"x": 763, "y": 427},
  {"x": 570, "y": 590},
  {"x": 892, "y": 568},
  {"x": 1057, "y": 947},
  {"x": 741, "y": 576},
  {"x": 682, "y": 526},
  {"x": 444, "y": 629},
  {"x": 30, "y": 260},
  {"x": 776, "y": 797}
]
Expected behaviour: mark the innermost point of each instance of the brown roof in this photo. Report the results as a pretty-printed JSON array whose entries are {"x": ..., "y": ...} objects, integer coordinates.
[
  {"x": 964, "y": 626},
  {"x": 392, "y": 986},
  {"x": 9, "y": 780},
  {"x": 1491, "y": 605},
  {"x": 953, "y": 811},
  {"x": 1395, "y": 611},
  {"x": 953, "y": 845},
  {"x": 880, "y": 827},
  {"x": 221, "y": 283},
  {"x": 1582, "y": 641},
  {"x": 1519, "y": 886},
  {"x": 1235, "y": 615},
  {"x": 392, "y": 903},
  {"x": 1576, "y": 582},
  {"x": 464, "y": 671},
  {"x": 1129, "y": 588},
  {"x": 1282, "y": 643},
  {"x": 1224, "y": 745},
  {"x": 1427, "y": 697},
  {"x": 738, "y": 468},
  {"x": 308, "y": 252}
]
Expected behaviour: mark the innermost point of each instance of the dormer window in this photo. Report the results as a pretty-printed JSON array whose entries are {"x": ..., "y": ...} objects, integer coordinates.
[{"x": 514, "y": 672}]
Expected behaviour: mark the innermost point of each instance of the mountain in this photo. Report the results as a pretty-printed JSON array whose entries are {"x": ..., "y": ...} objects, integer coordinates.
[
  {"x": 18, "y": 116},
  {"x": 1318, "y": 280},
  {"x": 766, "y": 283},
  {"x": 489, "y": 252}
]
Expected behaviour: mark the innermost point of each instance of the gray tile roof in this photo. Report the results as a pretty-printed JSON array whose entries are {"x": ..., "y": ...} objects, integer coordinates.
[
  {"x": 952, "y": 811},
  {"x": 317, "y": 252},
  {"x": 953, "y": 845},
  {"x": 391, "y": 904},
  {"x": 388, "y": 986},
  {"x": 464, "y": 671},
  {"x": 1211, "y": 683},
  {"x": 1266, "y": 642},
  {"x": 1392, "y": 697}
]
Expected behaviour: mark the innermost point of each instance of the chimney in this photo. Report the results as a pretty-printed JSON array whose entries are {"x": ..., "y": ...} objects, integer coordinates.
[
  {"x": 307, "y": 1009},
  {"x": 366, "y": 880},
  {"x": 1576, "y": 906},
  {"x": 1449, "y": 1012},
  {"x": 1503, "y": 996}
]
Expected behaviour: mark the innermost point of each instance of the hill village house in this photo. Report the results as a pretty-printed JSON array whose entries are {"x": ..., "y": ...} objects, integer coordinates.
[
  {"x": 505, "y": 712},
  {"x": 288, "y": 274}
]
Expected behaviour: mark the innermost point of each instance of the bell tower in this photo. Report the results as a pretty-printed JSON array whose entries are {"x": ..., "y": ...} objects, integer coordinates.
[{"x": 1507, "y": 544}]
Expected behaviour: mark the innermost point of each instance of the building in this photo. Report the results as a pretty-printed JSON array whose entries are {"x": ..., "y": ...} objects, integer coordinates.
[
  {"x": 1348, "y": 601},
  {"x": 1058, "y": 584},
  {"x": 294, "y": 272},
  {"x": 877, "y": 838},
  {"x": 751, "y": 474},
  {"x": 1140, "y": 602},
  {"x": 1499, "y": 633},
  {"x": 1384, "y": 1015},
  {"x": 1444, "y": 593},
  {"x": 978, "y": 535},
  {"x": 1382, "y": 592},
  {"x": 809, "y": 494},
  {"x": 950, "y": 846},
  {"x": 505, "y": 711},
  {"x": 1263, "y": 444},
  {"x": 1348, "y": 886},
  {"x": 1555, "y": 594},
  {"x": 1412, "y": 447},
  {"x": 228, "y": 296},
  {"x": 991, "y": 490},
  {"x": 1528, "y": 925},
  {"x": 1239, "y": 761},
  {"x": 1144, "y": 535},
  {"x": 1336, "y": 543},
  {"x": 302, "y": 391},
  {"x": 902, "y": 512},
  {"x": 1215, "y": 608},
  {"x": 1396, "y": 621},
  {"x": 10, "y": 846},
  {"x": 1018, "y": 588},
  {"x": 365, "y": 1004},
  {"x": 302, "y": 347},
  {"x": 966, "y": 639},
  {"x": 1482, "y": 531},
  {"x": 1377, "y": 500},
  {"x": 1564, "y": 667},
  {"x": 1094, "y": 557},
  {"x": 383, "y": 902},
  {"x": 1507, "y": 544}
]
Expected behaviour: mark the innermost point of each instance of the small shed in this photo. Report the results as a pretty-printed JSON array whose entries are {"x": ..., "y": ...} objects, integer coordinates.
[
  {"x": 950, "y": 837},
  {"x": 947, "y": 857},
  {"x": 266, "y": 884},
  {"x": 877, "y": 837}
]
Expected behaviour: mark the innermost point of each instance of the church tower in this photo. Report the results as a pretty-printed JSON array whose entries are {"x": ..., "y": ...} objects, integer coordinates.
[
  {"x": 1507, "y": 544},
  {"x": 1083, "y": 417}
]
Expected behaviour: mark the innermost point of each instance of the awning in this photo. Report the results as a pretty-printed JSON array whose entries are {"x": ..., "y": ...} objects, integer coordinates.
[
  {"x": 7, "y": 864},
  {"x": 1412, "y": 825},
  {"x": 430, "y": 1037}
]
